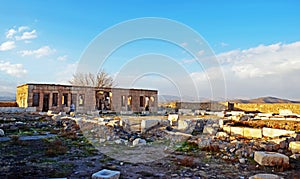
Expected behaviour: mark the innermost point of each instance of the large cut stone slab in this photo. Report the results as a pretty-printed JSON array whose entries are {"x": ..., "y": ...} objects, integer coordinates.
[
  {"x": 227, "y": 129},
  {"x": 106, "y": 174},
  {"x": 187, "y": 125},
  {"x": 294, "y": 146},
  {"x": 265, "y": 176},
  {"x": 237, "y": 131},
  {"x": 148, "y": 123},
  {"x": 252, "y": 133},
  {"x": 271, "y": 158},
  {"x": 270, "y": 132}
]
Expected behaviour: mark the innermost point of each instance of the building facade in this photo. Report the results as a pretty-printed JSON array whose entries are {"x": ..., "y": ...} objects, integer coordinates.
[
  {"x": 58, "y": 98},
  {"x": 208, "y": 106}
]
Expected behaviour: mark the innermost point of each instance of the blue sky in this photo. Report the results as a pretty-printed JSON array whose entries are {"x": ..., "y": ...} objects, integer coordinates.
[{"x": 256, "y": 42}]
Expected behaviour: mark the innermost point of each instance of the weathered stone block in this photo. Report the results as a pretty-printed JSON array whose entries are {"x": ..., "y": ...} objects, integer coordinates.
[
  {"x": 106, "y": 174},
  {"x": 2, "y": 133},
  {"x": 270, "y": 132},
  {"x": 173, "y": 118},
  {"x": 227, "y": 129},
  {"x": 186, "y": 125},
  {"x": 271, "y": 159},
  {"x": 265, "y": 176},
  {"x": 185, "y": 111},
  {"x": 252, "y": 132},
  {"x": 285, "y": 112},
  {"x": 49, "y": 113},
  {"x": 237, "y": 131},
  {"x": 294, "y": 147},
  {"x": 148, "y": 123},
  {"x": 221, "y": 123},
  {"x": 138, "y": 141},
  {"x": 222, "y": 134},
  {"x": 209, "y": 130}
]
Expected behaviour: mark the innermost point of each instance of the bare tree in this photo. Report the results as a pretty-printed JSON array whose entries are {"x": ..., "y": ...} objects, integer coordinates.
[{"x": 101, "y": 79}]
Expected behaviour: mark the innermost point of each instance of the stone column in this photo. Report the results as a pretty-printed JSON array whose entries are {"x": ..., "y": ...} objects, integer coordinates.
[
  {"x": 40, "y": 107},
  {"x": 50, "y": 100}
]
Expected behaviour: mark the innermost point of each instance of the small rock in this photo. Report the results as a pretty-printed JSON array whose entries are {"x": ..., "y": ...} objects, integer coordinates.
[
  {"x": 242, "y": 160},
  {"x": 174, "y": 175},
  {"x": 138, "y": 141},
  {"x": 169, "y": 128},
  {"x": 2, "y": 133},
  {"x": 106, "y": 174},
  {"x": 295, "y": 156},
  {"x": 222, "y": 134},
  {"x": 265, "y": 176}
]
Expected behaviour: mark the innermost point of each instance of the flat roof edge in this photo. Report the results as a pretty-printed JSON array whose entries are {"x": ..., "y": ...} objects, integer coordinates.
[{"x": 62, "y": 85}]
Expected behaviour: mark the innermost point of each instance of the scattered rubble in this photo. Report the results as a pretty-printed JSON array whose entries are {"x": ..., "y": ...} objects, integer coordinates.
[{"x": 218, "y": 138}]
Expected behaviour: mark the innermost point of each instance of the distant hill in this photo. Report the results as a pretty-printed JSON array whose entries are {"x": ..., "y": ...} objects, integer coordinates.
[
  {"x": 268, "y": 99},
  {"x": 172, "y": 98},
  {"x": 6, "y": 96},
  {"x": 167, "y": 98}
]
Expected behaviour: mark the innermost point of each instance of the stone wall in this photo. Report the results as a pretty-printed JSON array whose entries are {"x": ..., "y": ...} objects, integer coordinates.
[
  {"x": 58, "y": 98},
  {"x": 26, "y": 93},
  {"x": 268, "y": 108},
  {"x": 210, "y": 106},
  {"x": 135, "y": 105}
]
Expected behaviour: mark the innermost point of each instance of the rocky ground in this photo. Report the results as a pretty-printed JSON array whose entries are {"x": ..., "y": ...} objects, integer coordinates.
[{"x": 67, "y": 150}]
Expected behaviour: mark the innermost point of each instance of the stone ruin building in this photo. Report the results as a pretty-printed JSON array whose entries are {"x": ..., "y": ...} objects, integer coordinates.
[{"x": 58, "y": 98}]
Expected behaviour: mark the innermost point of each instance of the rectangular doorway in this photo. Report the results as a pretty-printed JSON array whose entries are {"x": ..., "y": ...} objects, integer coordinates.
[{"x": 45, "y": 103}]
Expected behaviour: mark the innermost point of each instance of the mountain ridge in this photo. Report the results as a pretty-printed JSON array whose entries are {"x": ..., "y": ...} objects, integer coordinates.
[{"x": 266, "y": 99}]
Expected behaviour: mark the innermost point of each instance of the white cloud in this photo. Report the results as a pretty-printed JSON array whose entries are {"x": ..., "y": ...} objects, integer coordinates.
[
  {"x": 201, "y": 52},
  {"x": 10, "y": 33},
  {"x": 23, "y": 28},
  {"x": 261, "y": 61},
  {"x": 223, "y": 44},
  {"x": 265, "y": 70},
  {"x": 184, "y": 44},
  {"x": 66, "y": 73},
  {"x": 15, "y": 70},
  {"x": 8, "y": 45},
  {"x": 21, "y": 33},
  {"x": 41, "y": 52},
  {"x": 186, "y": 61},
  {"x": 27, "y": 35},
  {"x": 62, "y": 58}
]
